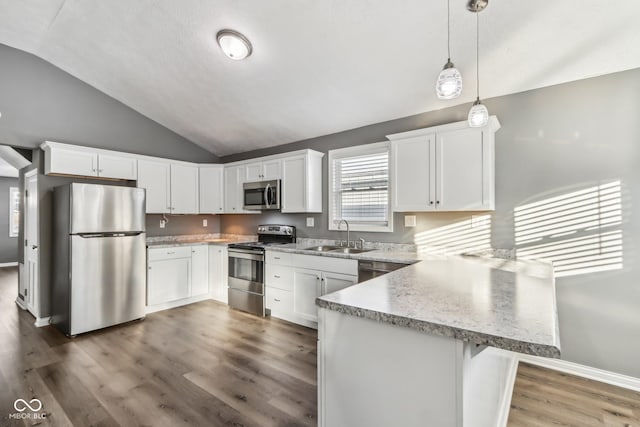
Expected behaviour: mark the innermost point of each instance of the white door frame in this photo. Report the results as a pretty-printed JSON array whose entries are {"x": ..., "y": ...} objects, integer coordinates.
[{"x": 31, "y": 280}]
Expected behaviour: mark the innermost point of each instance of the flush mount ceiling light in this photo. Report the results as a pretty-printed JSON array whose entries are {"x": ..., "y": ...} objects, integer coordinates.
[
  {"x": 233, "y": 44},
  {"x": 449, "y": 83},
  {"x": 478, "y": 114}
]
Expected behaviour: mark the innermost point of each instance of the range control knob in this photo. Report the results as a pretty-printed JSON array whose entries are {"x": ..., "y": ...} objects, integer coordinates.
[{"x": 288, "y": 231}]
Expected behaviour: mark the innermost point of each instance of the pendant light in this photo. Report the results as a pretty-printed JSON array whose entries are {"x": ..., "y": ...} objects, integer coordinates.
[
  {"x": 449, "y": 83},
  {"x": 478, "y": 114}
]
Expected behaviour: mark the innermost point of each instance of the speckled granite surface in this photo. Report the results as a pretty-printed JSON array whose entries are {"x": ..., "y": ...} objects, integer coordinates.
[
  {"x": 197, "y": 239},
  {"x": 388, "y": 255},
  {"x": 501, "y": 303}
]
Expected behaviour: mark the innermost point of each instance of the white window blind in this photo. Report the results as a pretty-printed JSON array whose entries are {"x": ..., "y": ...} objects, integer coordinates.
[{"x": 360, "y": 187}]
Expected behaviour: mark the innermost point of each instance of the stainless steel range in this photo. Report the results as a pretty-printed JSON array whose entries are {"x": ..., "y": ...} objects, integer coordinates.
[{"x": 246, "y": 267}]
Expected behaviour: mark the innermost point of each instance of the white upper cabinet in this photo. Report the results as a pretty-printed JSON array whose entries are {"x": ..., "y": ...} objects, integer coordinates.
[
  {"x": 119, "y": 167},
  {"x": 171, "y": 188},
  {"x": 64, "y": 159},
  {"x": 301, "y": 186},
  {"x": 233, "y": 189},
  {"x": 184, "y": 189},
  {"x": 211, "y": 183},
  {"x": 445, "y": 168},
  {"x": 155, "y": 177},
  {"x": 263, "y": 170},
  {"x": 464, "y": 175},
  {"x": 60, "y": 160},
  {"x": 413, "y": 173}
]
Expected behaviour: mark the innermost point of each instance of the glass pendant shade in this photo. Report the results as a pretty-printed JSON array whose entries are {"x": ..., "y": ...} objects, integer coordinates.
[
  {"x": 478, "y": 115},
  {"x": 449, "y": 83}
]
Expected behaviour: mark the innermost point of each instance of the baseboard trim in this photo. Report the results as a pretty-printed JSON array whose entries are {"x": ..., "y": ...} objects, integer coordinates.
[
  {"x": 595, "y": 374},
  {"x": 42, "y": 321},
  {"x": 607, "y": 377},
  {"x": 8, "y": 264},
  {"x": 20, "y": 303},
  {"x": 174, "y": 304}
]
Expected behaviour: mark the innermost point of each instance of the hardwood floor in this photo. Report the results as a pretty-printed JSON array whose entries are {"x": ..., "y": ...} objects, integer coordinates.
[
  {"x": 202, "y": 365},
  {"x": 545, "y": 397}
]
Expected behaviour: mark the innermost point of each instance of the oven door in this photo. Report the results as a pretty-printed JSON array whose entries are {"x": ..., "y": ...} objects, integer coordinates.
[{"x": 246, "y": 270}]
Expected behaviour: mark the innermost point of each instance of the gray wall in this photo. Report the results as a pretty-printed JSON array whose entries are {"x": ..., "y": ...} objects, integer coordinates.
[
  {"x": 553, "y": 140},
  {"x": 182, "y": 224},
  {"x": 8, "y": 245},
  {"x": 41, "y": 102}
]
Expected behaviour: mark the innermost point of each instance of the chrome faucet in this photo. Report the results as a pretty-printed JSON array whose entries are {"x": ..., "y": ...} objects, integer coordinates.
[{"x": 348, "y": 232}]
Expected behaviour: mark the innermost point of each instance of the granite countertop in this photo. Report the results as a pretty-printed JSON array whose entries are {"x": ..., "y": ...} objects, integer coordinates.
[
  {"x": 501, "y": 303},
  {"x": 387, "y": 255},
  {"x": 198, "y": 239}
]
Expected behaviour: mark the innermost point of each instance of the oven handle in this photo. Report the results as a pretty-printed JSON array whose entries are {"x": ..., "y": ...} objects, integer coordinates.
[
  {"x": 267, "y": 196},
  {"x": 245, "y": 254}
]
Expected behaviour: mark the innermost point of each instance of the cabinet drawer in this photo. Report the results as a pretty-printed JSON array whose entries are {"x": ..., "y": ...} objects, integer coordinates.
[
  {"x": 279, "y": 276},
  {"x": 279, "y": 258},
  {"x": 156, "y": 254},
  {"x": 279, "y": 302}
]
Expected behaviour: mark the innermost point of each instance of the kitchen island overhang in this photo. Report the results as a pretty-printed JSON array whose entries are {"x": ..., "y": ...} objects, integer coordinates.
[{"x": 412, "y": 340}]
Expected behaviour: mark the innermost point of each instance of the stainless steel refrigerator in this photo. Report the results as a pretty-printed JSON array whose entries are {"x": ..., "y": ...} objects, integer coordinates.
[{"x": 99, "y": 256}]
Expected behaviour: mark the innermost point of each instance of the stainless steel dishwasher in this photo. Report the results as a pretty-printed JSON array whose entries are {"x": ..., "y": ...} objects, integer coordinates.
[{"x": 367, "y": 270}]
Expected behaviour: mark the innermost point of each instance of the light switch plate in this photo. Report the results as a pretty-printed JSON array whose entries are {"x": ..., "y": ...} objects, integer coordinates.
[
  {"x": 310, "y": 221},
  {"x": 204, "y": 222},
  {"x": 409, "y": 220},
  {"x": 162, "y": 223}
]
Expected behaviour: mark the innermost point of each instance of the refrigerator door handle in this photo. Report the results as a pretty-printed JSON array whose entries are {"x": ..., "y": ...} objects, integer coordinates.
[{"x": 93, "y": 235}]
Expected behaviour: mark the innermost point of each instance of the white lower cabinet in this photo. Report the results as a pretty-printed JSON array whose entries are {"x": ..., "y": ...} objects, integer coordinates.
[
  {"x": 306, "y": 288},
  {"x": 176, "y": 276},
  {"x": 333, "y": 282},
  {"x": 199, "y": 270},
  {"x": 294, "y": 281},
  {"x": 169, "y": 275},
  {"x": 218, "y": 272}
]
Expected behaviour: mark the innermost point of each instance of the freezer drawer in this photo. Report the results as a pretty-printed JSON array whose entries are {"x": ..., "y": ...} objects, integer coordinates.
[{"x": 108, "y": 281}]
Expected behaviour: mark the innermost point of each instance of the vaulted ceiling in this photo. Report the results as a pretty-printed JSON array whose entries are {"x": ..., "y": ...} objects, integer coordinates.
[{"x": 317, "y": 67}]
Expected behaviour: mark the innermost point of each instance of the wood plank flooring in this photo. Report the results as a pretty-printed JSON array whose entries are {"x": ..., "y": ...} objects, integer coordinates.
[
  {"x": 545, "y": 397},
  {"x": 198, "y": 365}
]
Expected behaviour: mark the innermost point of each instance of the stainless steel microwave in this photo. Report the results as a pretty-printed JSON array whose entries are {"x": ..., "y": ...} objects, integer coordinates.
[{"x": 262, "y": 195}]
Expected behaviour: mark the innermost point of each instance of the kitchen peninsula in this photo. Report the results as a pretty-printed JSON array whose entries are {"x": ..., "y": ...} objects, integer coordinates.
[{"x": 425, "y": 345}]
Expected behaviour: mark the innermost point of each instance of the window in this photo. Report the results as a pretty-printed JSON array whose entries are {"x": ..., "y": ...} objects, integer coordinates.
[
  {"x": 14, "y": 211},
  {"x": 359, "y": 188}
]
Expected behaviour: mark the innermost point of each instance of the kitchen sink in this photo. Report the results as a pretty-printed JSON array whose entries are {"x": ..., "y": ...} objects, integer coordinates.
[
  {"x": 351, "y": 250},
  {"x": 322, "y": 248}
]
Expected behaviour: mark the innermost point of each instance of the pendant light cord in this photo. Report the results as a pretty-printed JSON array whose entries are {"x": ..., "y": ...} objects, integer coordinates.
[
  {"x": 477, "y": 55},
  {"x": 448, "y": 31}
]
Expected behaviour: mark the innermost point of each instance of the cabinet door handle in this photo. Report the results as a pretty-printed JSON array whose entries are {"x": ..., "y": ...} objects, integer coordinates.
[
  {"x": 437, "y": 202},
  {"x": 276, "y": 300},
  {"x": 276, "y": 257},
  {"x": 170, "y": 253},
  {"x": 276, "y": 276},
  {"x": 100, "y": 170},
  {"x": 431, "y": 202}
]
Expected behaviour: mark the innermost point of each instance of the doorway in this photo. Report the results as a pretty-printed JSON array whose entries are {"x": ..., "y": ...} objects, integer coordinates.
[{"x": 29, "y": 281}]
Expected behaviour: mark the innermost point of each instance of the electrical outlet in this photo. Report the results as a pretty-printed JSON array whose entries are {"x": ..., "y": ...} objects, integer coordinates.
[
  {"x": 409, "y": 220},
  {"x": 310, "y": 221},
  {"x": 204, "y": 222},
  {"x": 162, "y": 223}
]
